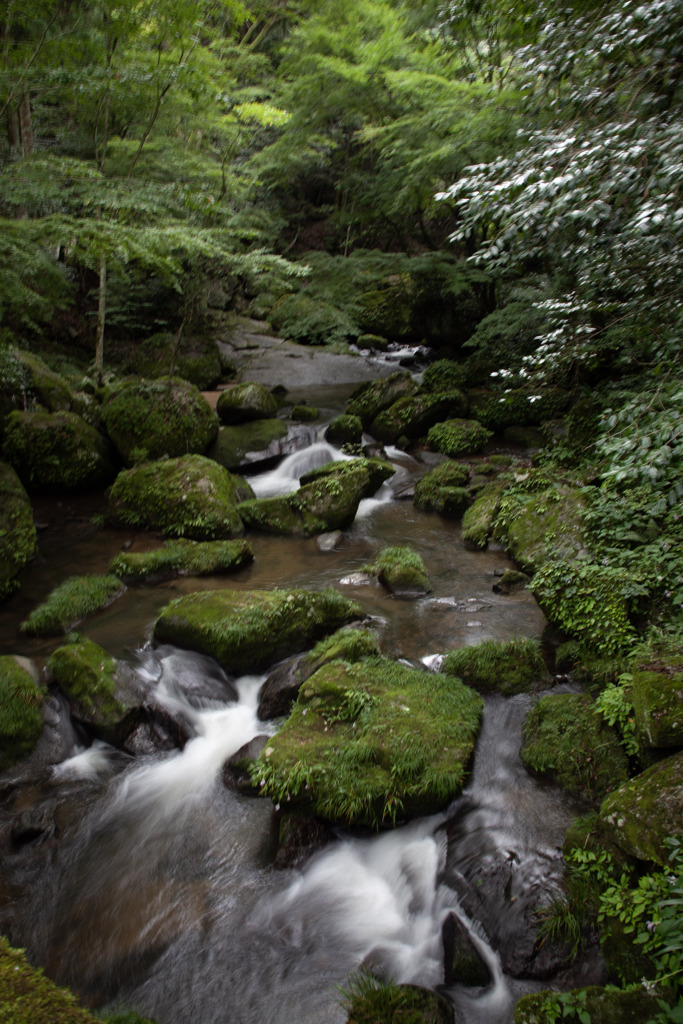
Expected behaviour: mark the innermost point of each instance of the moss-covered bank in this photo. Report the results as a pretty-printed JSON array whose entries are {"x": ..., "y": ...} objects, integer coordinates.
[{"x": 17, "y": 530}]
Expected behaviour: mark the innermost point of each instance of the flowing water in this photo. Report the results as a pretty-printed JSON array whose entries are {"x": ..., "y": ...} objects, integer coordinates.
[{"x": 156, "y": 886}]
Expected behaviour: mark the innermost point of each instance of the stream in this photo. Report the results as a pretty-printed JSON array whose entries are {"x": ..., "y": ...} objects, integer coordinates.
[{"x": 155, "y": 887}]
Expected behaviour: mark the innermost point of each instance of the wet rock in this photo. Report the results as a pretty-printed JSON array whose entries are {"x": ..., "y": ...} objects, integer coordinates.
[
  {"x": 259, "y": 442},
  {"x": 236, "y": 769},
  {"x": 57, "y": 451},
  {"x": 479, "y": 519},
  {"x": 344, "y": 430},
  {"x": 411, "y": 416},
  {"x": 454, "y": 437},
  {"x": 370, "y": 399},
  {"x": 463, "y": 963},
  {"x": 299, "y": 837},
  {"x": 183, "y": 558},
  {"x": 18, "y": 535},
  {"x": 21, "y": 719},
  {"x": 281, "y": 688},
  {"x": 35, "y": 824},
  {"x": 245, "y": 402},
  {"x": 545, "y": 526},
  {"x": 329, "y": 541},
  {"x": 443, "y": 489},
  {"x": 502, "y": 666},
  {"x": 402, "y": 571},
  {"x": 510, "y": 582}
]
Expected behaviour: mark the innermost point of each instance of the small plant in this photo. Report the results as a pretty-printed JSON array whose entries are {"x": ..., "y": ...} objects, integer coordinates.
[{"x": 616, "y": 708}]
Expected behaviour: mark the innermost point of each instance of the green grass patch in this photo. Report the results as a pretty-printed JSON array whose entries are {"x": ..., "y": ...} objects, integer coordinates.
[
  {"x": 183, "y": 557},
  {"x": 70, "y": 603}
]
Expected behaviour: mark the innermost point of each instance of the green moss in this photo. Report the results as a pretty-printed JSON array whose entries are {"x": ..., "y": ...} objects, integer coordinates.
[
  {"x": 183, "y": 558},
  {"x": 646, "y": 810},
  {"x": 245, "y": 402},
  {"x": 444, "y": 375},
  {"x": 87, "y": 675},
  {"x": 388, "y": 311},
  {"x": 151, "y": 419},
  {"x": 443, "y": 489},
  {"x": 376, "y": 472},
  {"x": 370, "y": 741},
  {"x": 413, "y": 415},
  {"x": 657, "y": 698},
  {"x": 503, "y": 666},
  {"x": 17, "y": 530},
  {"x": 304, "y": 413},
  {"x": 191, "y": 496},
  {"x": 478, "y": 521},
  {"x": 348, "y": 644},
  {"x": 196, "y": 358},
  {"x": 57, "y": 451},
  {"x": 458, "y": 437},
  {"x": 599, "y": 1005},
  {"x": 21, "y": 719},
  {"x": 542, "y": 527},
  {"x": 248, "y": 630},
  {"x": 233, "y": 443},
  {"x": 510, "y": 581},
  {"x": 345, "y": 430},
  {"x": 70, "y": 603},
  {"x": 45, "y": 387},
  {"x": 568, "y": 740},
  {"x": 367, "y": 1000},
  {"x": 401, "y": 570},
  {"x": 28, "y": 997},
  {"x": 370, "y": 399}
]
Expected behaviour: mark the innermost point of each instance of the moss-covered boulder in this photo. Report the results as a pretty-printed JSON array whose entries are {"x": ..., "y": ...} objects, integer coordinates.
[
  {"x": 372, "y": 741},
  {"x": 657, "y": 697},
  {"x": 372, "y": 341},
  {"x": 443, "y": 489},
  {"x": 566, "y": 739},
  {"x": 17, "y": 532},
  {"x": 646, "y": 811},
  {"x": 21, "y": 718},
  {"x": 183, "y": 558},
  {"x": 190, "y": 496},
  {"x": 28, "y": 997},
  {"x": 500, "y": 666},
  {"x": 304, "y": 413},
  {"x": 57, "y": 451},
  {"x": 599, "y": 1005},
  {"x": 152, "y": 419},
  {"x": 328, "y": 500},
  {"x": 412, "y": 416},
  {"x": 195, "y": 357},
  {"x": 370, "y": 399},
  {"x": 105, "y": 695},
  {"x": 511, "y": 581},
  {"x": 538, "y": 528},
  {"x": 457, "y": 437},
  {"x": 402, "y": 571},
  {"x": 367, "y": 1000},
  {"x": 246, "y": 445},
  {"x": 280, "y": 690},
  {"x": 71, "y": 603},
  {"x": 245, "y": 402},
  {"x": 246, "y": 631},
  {"x": 444, "y": 375},
  {"x": 479, "y": 519},
  {"x": 44, "y": 387},
  {"x": 345, "y": 430}
]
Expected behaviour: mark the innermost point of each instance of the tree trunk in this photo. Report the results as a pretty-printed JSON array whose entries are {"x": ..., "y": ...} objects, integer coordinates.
[
  {"x": 13, "y": 136},
  {"x": 101, "y": 310},
  {"x": 26, "y": 125}
]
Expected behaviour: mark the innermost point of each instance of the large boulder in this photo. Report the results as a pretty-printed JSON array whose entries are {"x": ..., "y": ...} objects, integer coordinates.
[
  {"x": 413, "y": 415},
  {"x": 657, "y": 697},
  {"x": 370, "y": 399},
  {"x": 371, "y": 742},
  {"x": 443, "y": 489},
  {"x": 566, "y": 739},
  {"x": 543, "y": 527},
  {"x": 499, "y": 666},
  {"x": 247, "y": 444},
  {"x": 246, "y": 402},
  {"x": 456, "y": 437},
  {"x": 21, "y": 719},
  {"x": 245, "y": 631},
  {"x": 327, "y": 501},
  {"x": 644, "y": 812},
  {"x": 402, "y": 571},
  {"x": 479, "y": 519},
  {"x": 34, "y": 383},
  {"x": 195, "y": 357},
  {"x": 57, "y": 451},
  {"x": 150, "y": 419},
  {"x": 18, "y": 534},
  {"x": 183, "y": 558},
  {"x": 191, "y": 496}
]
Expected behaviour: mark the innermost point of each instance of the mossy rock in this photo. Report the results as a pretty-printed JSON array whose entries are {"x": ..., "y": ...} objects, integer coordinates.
[
  {"x": 105, "y": 695},
  {"x": 44, "y": 386},
  {"x": 402, "y": 571},
  {"x": 57, "y": 451},
  {"x": 463, "y": 963},
  {"x": 21, "y": 717},
  {"x": 196, "y": 358},
  {"x": 153, "y": 419},
  {"x": 566, "y": 739},
  {"x": 183, "y": 558},
  {"x": 444, "y": 375},
  {"x": 246, "y": 402},
  {"x": 367, "y": 1000},
  {"x": 479, "y": 519},
  {"x": 511, "y": 581},
  {"x": 372, "y": 398},
  {"x": 388, "y": 311},
  {"x": 345, "y": 430},
  {"x": 304, "y": 413},
  {"x": 246, "y": 631},
  {"x": 599, "y": 1005},
  {"x": 190, "y": 496},
  {"x": 372, "y": 741},
  {"x": 17, "y": 533},
  {"x": 646, "y": 810},
  {"x": 499, "y": 666},
  {"x": 457, "y": 437},
  {"x": 28, "y": 997},
  {"x": 543, "y": 527},
  {"x": 657, "y": 698},
  {"x": 412, "y": 416},
  {"x": 328, "y": 501},
  {"x": 71, "y": 603},
  {"x": 372, "y": 341},
  {"x": 239, "y": 446},
  {"x": 443, "y": 489}
]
